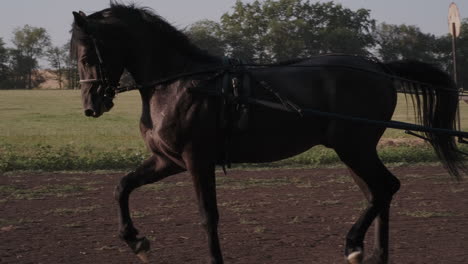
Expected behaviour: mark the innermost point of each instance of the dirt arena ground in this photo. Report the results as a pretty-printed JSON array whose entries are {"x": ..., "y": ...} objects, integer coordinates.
[{"x": 267, "y": 216}]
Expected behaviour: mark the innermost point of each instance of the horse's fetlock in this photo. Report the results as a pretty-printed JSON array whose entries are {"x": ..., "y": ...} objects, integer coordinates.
[
  {"x": 353, "y": 246},
  {"x": 209, "y": 222},
  {"x": 128, "y": 234}
]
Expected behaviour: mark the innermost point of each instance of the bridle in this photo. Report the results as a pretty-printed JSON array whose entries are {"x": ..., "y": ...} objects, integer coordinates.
[
  {"x": 110, "y": 89},
  {"x": 107, "y": 88}
]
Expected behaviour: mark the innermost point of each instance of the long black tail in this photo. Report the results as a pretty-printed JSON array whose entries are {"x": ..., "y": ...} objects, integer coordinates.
[{"x": 435, "y": 101}]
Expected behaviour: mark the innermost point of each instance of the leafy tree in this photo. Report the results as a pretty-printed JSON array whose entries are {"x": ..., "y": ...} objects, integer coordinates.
[
  {"x": 445, "y": 45},
  {"x": 243, "y": 32},
  {"x": 71, "y": 69},
  {"x": 31, "y": 43},
  {"x": 205, "y": 34},
  {"x": 19, "y": 66},
  {"x": 286, "y": 27},
  {"x": 276, "y": 30},
  {"x": 57, "y": 57},
  {"x": 335, "y": 29},
  {"x": 408, "y": 42},
  {"x": 396, "y": 42},
  {"x": 462, "y": 54},
  {"x": 3, "y": 54},
  {"x": 4, "y": 58},
  {"x": 127, "y": 79}
]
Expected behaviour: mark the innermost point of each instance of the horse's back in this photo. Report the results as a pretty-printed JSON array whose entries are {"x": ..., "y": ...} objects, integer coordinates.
[
  {"x": 343, "y": 60},
  {"x": 322, "y": 82}
]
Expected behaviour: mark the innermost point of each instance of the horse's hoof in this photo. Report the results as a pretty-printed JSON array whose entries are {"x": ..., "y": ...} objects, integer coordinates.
[
  {"x": 143, "y": 256},
  {"x": 376, "y": 258},
  {"x": 355, "y": 257},
  {"x": 140, "y": 245}
]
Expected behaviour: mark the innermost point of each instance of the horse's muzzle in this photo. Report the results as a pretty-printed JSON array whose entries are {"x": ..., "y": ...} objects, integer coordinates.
[
  {"x": 103, "y": 107},
  {"x": 89, "y": 112},
  {"x": 92, "y": 113}
]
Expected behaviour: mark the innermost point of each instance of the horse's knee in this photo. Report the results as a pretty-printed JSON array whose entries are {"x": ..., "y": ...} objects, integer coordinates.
[
  {"x": 383, "y": 196},
  {"x": 126, "y": 185}
]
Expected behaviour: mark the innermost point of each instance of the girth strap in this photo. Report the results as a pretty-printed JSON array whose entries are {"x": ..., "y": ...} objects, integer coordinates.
[{"x": 233, "y": 114}]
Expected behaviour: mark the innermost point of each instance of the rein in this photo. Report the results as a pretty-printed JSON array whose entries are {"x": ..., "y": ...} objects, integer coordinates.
[
  {"x": 217, "y": 70},
  {"x": 110, "y": 90},
  {"x": 287, "y": 106},
  {"x": 234, "y": 68}
]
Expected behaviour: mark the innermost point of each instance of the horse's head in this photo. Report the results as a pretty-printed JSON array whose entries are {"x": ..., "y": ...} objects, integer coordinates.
[
  {"x": 100, "y": 62},
  {"x": 148, "y": 47}
]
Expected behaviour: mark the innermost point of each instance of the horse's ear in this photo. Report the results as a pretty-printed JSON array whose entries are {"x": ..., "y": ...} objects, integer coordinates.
[{"x": 80, "y": 19}]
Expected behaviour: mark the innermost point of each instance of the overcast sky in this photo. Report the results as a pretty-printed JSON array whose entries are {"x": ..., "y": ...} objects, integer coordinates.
[{"x": 55, "y": 15}]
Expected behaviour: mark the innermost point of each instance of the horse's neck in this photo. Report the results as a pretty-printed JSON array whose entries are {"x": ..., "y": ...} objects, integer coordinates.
[{"x": 158, "y": 69}]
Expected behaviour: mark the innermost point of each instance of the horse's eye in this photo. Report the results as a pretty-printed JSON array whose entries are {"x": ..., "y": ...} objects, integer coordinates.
[{"x": 85, "y": 61}]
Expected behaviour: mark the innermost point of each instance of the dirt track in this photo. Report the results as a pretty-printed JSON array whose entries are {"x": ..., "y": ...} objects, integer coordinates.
[{"x": 275, "y": 216}]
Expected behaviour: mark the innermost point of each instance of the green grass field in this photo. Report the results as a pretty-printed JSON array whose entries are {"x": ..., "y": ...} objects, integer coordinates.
[{"x": 46, "y": 130}]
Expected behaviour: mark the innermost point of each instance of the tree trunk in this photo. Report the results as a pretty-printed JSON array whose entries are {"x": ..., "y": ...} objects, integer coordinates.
[
  {"x": 30, "y": 78},
  {"x": 59, "y": 75}
]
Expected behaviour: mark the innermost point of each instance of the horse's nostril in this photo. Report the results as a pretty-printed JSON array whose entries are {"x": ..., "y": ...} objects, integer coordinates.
[{"x": 88, "y": 112}]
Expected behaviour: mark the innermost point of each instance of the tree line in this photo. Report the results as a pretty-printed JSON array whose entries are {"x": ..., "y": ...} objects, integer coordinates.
[
  {"x": 277, "y": 30},
  {"x": 19, "y": 65},
  {"x": 262, "y": 32}
]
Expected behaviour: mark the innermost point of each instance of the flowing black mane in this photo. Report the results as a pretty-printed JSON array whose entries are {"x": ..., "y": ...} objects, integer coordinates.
[{"x": 131, "y": 17}]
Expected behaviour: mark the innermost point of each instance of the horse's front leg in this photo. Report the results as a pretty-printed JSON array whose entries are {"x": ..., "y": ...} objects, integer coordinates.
[
  {"x": 203, "y": 175},
  {"x": 152, "y": 170}
]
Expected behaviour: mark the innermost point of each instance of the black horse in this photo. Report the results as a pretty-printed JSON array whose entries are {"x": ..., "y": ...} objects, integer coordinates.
[{"x": 199, "y": 111}]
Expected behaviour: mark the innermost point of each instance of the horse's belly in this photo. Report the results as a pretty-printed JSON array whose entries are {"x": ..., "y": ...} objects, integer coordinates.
[{"x": 274, "y": 140}]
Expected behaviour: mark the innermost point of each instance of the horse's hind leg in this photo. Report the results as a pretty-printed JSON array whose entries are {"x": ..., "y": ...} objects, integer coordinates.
[
  {"x": 380, "y": 185},
  {"x": 152, "y": 170},
  {"x": 381, "y": 224}
]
